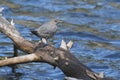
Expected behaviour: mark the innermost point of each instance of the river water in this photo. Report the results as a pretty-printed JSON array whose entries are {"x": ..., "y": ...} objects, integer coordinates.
[{"x": 93, "y": 26}]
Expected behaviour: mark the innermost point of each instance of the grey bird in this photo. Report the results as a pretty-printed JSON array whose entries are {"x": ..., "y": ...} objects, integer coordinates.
[{"x": 47, "y": 30}]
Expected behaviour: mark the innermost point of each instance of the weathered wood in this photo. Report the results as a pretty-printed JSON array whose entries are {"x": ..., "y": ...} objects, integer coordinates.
[
  {"x": 10, "y": 31},
  {"x": 60, "y": 57},
  {"x": 20, "y": 59}
]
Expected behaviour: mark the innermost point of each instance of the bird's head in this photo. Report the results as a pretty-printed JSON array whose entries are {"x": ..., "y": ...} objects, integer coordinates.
[{"x": 56, "y": 21}]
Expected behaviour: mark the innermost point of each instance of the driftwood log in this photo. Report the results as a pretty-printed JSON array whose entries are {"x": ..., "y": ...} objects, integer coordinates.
[{"x": 40, "y": 52}]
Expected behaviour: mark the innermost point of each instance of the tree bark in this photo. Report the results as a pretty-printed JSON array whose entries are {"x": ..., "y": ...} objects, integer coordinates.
[
  {"x": 20, "y": 59},
  {"x": 40, "y": 52}
]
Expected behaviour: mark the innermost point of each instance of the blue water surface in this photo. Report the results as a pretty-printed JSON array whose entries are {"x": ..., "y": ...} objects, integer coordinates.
[{"x": 93, "y": 26}]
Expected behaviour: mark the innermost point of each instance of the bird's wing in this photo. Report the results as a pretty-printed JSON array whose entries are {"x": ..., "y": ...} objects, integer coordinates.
[{"x": 47, "y": 28}]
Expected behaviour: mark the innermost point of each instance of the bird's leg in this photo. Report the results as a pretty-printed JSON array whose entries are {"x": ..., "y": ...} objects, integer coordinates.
[
  {"x": 50, "y": 41},
  {"x": 44, "y": 40}
]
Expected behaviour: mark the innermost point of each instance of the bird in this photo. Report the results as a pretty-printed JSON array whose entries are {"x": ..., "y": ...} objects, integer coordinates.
[{"x": 46, "y": 30}]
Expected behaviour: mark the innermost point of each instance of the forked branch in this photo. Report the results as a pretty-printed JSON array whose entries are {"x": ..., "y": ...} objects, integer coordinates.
[{"x": 40, "y": 52}]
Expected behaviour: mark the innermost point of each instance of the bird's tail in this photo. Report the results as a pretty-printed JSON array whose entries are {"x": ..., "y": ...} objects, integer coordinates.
[{"x": 34, "y": 32}]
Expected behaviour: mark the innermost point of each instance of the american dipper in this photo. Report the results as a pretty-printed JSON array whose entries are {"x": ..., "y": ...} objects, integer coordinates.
[{"x": 47, "y": 30}]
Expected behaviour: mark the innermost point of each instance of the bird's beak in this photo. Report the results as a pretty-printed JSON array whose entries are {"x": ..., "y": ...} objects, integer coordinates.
[{"x": 59, "y": 21}]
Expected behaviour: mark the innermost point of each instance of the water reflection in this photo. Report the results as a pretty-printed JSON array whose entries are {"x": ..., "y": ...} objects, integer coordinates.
[{"x": 93, "y": 26}]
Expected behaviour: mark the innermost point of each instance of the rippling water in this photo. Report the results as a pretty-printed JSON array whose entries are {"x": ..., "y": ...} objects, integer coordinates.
[{"x": 93, "y": 25}]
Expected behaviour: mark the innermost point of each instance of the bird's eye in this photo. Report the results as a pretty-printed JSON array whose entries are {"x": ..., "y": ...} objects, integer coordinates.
[{"x": 56, "y": 21}]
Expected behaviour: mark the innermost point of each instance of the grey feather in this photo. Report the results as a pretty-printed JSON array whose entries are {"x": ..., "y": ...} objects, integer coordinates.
[{"x": 47, "y": 30}]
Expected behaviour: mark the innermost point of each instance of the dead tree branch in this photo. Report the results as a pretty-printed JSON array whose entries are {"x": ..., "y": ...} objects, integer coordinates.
[
  {"x": 20, "y": 59},
  {"x": 10, "y": 31},
  {"x": 58, "y": 57}
]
